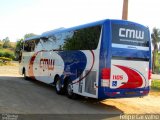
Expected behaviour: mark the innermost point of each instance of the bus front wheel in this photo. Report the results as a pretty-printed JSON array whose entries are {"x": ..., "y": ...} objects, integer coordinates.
[{"x": 24, "y": 75}]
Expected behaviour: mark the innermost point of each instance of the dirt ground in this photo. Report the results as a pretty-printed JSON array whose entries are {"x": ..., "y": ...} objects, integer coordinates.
[
  {"x": 10, "y": 70},
  {"x": 147, "y": 104}
]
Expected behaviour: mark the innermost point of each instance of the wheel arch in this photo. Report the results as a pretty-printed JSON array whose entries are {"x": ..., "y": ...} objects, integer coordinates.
[{"x": 55, "y": 77}]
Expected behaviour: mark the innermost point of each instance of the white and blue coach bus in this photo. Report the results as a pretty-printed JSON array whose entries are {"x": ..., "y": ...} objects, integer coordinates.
[{"x": 104, "y": 59}]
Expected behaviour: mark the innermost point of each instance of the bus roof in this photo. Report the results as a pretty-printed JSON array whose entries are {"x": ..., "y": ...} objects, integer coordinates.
[
  {"x": 33, "y": 38},
  {"x": 50, "y": 33},
  {"x": 62, "y": 29}
]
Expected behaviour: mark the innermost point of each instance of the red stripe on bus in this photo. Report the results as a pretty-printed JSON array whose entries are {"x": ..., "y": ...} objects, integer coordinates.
[
  {"x": 31, "y": 62},
  {"x": 134, "y": 79}
]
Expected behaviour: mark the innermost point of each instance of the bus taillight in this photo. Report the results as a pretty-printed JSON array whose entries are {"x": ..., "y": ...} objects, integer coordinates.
[
  {"x": 105, "y": 77},
  {"x": 149, "y": 76}
]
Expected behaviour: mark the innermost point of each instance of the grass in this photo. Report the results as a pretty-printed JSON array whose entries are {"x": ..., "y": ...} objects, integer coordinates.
[
  {"x": 8, "y": 53},
  {"x": 6, "y": 50},
  {"x": 155, "y": 84},
  {"x": 155, "y": 88},
  {"x": 9, "y": 63},
  {"x": 4, "y": 64}
]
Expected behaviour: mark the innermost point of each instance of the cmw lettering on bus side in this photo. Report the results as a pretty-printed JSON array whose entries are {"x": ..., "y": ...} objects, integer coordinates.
[
  {"x": 47, "y": 64},
  {"x": 130, "y": 33}
]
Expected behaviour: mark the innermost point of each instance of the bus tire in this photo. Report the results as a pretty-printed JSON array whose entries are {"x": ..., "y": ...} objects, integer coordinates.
[
  {"x": 69, "y": 91},
  {"x": 24, "y": 75},
  {"x": 58, "y": 85}
]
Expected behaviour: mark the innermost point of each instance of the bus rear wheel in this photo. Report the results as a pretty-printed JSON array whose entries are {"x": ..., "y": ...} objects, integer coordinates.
[
  {"x": 58, "y": 86},
  {"x": 70, "y": 93}
]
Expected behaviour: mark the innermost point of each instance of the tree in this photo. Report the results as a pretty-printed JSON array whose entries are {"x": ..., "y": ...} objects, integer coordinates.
[
  {"x": 19, "y": 46},
  {"x": 155, "y": 40},
  {"x": 6, "y": 42}
]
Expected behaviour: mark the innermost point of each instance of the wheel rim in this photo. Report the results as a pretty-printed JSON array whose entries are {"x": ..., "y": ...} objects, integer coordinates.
[
  {"x": 58, "y": 85},
  {"x": 69, "y": 89}
]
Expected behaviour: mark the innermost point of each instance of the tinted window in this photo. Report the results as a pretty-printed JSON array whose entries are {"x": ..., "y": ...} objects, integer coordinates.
[
  {"x": 130, "y": 34},
  {"x": 29, "y": 46},
  {"x": 83, "y": 39}
]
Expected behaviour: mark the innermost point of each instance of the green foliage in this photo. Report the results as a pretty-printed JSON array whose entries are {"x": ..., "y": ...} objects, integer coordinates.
[
  {"x": 157, "y": 61},
  {"x": 7, "y": 54},
  {"x": 4, "y": 61},
  {"x": 155, "y": 84},
  {"x": 6, "y": 43},
  {"x": 155, "y": 39},
  {"x": 19, "y": 46},
  {"x": 1, "y": 45}
]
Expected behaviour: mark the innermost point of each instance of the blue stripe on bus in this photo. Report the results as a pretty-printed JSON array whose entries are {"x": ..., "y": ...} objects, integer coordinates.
[
  {"x": 130, "y": 53},
  {"x": 74, "y": 63},
  {"x": 122, "y": 92}
]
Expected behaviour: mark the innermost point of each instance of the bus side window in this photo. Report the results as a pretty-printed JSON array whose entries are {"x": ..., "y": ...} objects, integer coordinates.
[
  {"x": 55, "y": 41},
  {"x": 83, "y": 39},
  {"x": 37, "y": 44},
  {"x": 29, "y": 46},
  {"x": 26, "y": 45},
  {"x": 32, "y": 45}
]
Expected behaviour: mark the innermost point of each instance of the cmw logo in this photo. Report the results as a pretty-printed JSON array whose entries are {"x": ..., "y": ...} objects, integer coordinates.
[
  {"x": 130, "y": 33},
  {"x": 47, "y": 64}
]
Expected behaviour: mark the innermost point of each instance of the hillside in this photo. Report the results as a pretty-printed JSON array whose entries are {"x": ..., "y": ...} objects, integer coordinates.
[
  {"x": 13, "y": 44},
  {"x": 8, "y": 50}
]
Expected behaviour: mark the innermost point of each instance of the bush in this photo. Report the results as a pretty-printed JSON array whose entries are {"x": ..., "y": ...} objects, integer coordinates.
[
  {"x": 1, "y": 46},
  {"x": 5, "y": 61},
  {"x": 156, "y": 84},
  {"x": 7, "y": 54},
  {"x": 1, "y": 54}
]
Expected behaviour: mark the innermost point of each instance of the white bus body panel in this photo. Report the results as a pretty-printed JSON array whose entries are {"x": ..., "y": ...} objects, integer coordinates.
[
  {"x": 129, "y": 74},
  {"x": 42, "y": 73}
]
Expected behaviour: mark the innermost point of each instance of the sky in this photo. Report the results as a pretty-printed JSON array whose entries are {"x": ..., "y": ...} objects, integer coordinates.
[{"x": 19, "y": 17}]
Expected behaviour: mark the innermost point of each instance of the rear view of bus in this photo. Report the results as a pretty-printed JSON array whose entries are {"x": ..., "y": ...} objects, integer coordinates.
[{"x": 129, "y": 72}]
